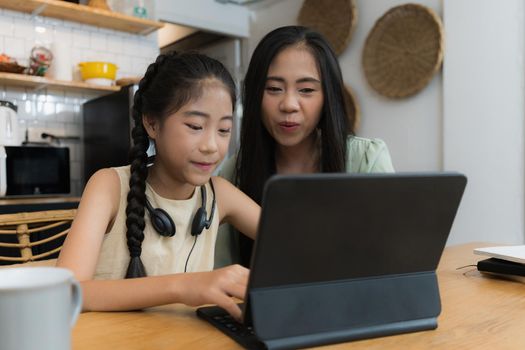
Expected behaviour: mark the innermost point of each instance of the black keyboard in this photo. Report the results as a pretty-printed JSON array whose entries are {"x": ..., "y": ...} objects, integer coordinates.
[{"x": 239, "y": 332}]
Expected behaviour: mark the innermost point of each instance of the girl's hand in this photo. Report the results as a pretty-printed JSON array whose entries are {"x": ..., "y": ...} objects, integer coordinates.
[
  {"x": 216, "y": 287},
  {"x": 236, "y": 208}
]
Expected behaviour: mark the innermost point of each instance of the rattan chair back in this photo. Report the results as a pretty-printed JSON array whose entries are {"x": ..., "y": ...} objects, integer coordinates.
[{"x": 26, "y": 227}]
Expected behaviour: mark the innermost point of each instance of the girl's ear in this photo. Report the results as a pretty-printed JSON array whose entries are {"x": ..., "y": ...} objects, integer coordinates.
[{"x": 151, "y": 125}]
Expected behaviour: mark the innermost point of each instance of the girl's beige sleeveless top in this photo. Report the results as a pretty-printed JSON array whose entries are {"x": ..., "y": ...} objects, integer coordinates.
[{"x": 160, "y": 255}]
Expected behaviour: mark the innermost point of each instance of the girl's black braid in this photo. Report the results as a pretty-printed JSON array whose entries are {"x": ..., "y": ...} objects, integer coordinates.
[{"x": 138, "y": 173}]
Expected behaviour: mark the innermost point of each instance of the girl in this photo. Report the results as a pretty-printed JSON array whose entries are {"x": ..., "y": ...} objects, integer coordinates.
[
  {"x": 294, "y": 121},
  {"x": 138, "y": 228}
]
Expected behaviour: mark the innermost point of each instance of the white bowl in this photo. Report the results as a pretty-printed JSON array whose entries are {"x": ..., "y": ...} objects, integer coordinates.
[{"x": 99, "y": 81}]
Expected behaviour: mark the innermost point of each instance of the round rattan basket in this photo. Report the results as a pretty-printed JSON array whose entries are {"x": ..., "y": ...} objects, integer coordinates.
[
  {"x": 334, "y": 19},
  {"x": 404, "y": 50},
  {"x": 352, "y": 110}
]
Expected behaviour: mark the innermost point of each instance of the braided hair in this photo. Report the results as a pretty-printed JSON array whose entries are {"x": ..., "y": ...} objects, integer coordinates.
[{"x": 169, "y": 83}]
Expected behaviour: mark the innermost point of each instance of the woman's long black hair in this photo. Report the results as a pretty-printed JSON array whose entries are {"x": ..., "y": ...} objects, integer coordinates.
[
  {"x": 256, "y": 158},
  {"x": 170, "y": 82}
]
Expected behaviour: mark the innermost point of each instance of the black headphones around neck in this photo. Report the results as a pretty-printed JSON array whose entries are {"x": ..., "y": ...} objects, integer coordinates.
[{"x": 164, "y": 225}]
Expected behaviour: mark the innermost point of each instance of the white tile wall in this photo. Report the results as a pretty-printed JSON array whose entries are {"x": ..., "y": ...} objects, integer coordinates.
[{"x": 60, "y": 110}]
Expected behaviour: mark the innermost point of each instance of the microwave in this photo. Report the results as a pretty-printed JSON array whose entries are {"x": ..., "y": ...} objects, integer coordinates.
[{"x": 34, "y": 170}]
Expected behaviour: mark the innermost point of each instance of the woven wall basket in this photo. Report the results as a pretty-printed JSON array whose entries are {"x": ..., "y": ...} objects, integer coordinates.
[
  {"x": 404, "y": 50},
  {"x": 334, "y": 19},
  {"x": 352, "y": 110}
]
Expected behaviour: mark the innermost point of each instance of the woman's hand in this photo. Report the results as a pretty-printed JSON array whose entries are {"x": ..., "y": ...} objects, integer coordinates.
[{"x": 216, "y": 287}]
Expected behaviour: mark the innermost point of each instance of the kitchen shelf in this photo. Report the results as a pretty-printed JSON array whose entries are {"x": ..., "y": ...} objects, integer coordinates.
[
  {"x": 42, "y": 82},
  {"x": 83, "y": 14}
]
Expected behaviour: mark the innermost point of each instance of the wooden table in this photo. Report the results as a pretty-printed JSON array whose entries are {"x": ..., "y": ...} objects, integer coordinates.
[{"x": 478, "y": 313}]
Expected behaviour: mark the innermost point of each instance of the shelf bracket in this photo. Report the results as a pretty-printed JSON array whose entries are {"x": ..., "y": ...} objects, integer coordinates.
[
  {"x": 40, "y": 87},
  {"x": 38, "y": 11},
  {"x": 145, "y": 31}
]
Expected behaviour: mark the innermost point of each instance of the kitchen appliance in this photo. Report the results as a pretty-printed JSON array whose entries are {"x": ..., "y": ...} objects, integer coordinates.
[
  {"x": 31, "y": 170},
  {"x": 107, "y": 130},
  {"x": 8, "y": 124}
]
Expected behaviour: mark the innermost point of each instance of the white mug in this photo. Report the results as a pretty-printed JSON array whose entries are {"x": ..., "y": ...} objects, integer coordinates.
[{"x": 38, "y": 308}]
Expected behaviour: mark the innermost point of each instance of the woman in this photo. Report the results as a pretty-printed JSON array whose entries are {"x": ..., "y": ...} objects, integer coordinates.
[{"x": 294, "y": 121}]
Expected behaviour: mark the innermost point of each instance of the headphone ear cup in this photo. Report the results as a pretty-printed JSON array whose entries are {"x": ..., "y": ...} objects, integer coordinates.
[
  {"x": 162, "y": 223},
  {"x": 199, "y": 222}
]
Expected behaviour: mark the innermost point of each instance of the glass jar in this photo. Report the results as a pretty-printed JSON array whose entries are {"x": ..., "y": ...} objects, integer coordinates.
[{"x": 137, "y": 8}]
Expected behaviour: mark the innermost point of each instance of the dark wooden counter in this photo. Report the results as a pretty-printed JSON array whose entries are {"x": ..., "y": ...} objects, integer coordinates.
[
  {"x": 37, "y": 200},
  {"x": 25, "y": 204}
]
